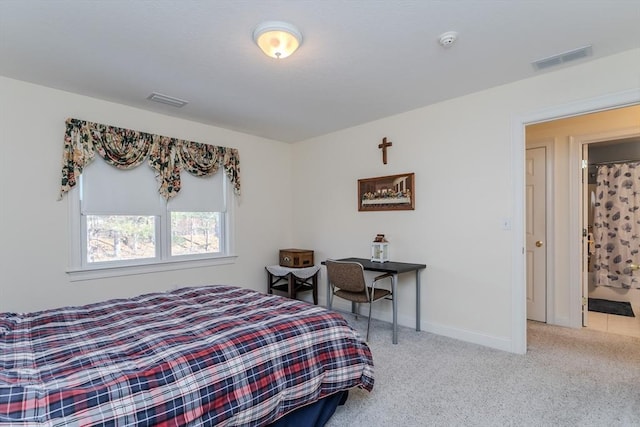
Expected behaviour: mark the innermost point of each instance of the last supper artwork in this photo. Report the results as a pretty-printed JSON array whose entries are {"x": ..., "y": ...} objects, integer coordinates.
[{"x": 393, "y": 192}]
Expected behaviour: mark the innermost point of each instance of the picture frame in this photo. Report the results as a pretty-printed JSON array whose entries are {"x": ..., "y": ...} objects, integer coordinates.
[{"x": 387, "y": 193}]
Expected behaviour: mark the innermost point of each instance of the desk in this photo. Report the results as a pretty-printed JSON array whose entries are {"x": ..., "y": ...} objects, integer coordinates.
[
  {"x": 293, "y": 280},
  {"x": 394, "y": 268}
]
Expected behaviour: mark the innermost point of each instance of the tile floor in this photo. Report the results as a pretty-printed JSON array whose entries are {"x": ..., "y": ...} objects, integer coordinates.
[{"x": 621, "y": 325}]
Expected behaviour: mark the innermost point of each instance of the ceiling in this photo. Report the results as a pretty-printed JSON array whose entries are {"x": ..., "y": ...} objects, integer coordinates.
[{"x": 360, "y": 60}]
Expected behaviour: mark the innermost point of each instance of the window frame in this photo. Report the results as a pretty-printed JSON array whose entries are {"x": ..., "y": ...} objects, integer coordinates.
[{"x": 79, "y": 269}]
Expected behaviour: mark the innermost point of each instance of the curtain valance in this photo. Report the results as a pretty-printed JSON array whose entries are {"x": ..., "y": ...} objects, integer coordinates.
[{"x": 125, "y": 149}]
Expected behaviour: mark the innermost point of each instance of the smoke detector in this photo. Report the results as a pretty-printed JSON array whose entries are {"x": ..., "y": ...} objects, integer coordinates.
[{"x": 447, "y": 39}]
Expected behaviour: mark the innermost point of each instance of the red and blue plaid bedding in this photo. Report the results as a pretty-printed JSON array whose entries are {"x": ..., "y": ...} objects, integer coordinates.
[{"x": 213, "y": 355}]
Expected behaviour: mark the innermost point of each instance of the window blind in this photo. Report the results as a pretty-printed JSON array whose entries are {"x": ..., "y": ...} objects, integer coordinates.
[
  {"x": 200, "y": 194},
  {"x": 107, "y": 190}
]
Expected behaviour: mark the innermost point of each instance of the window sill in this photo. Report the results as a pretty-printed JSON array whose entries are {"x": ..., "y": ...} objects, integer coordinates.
[{"x": 156, "y": 267}]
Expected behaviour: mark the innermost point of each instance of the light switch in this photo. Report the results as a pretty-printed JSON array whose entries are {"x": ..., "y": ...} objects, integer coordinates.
[{"x": 506, "y": 223}]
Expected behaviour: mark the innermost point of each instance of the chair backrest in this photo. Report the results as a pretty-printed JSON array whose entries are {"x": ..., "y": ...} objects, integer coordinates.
[{"x": 346, "y": 275}]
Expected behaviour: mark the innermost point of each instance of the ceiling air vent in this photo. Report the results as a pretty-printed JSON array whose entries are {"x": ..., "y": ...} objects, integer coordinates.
[
  {"x": 169, "y": 100},
  {"x": 572, "y": 55}
]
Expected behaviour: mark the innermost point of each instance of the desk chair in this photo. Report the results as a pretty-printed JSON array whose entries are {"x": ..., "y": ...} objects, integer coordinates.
[{"x": 346, "y": 279}]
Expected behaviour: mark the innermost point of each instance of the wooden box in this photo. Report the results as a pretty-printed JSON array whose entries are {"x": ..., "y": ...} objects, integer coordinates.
[{"x": 296, "y": 258}]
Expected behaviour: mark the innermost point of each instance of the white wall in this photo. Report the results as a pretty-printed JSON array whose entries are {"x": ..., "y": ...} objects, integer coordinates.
[
  {"x": 461, "y": 153},
  {"x": 34, "y": 224}
]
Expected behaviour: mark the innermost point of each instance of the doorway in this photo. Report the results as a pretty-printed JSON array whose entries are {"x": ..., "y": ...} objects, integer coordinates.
[
  {"x": 573, "y": 304},
  {"x": 567, "y": 137},
  {"x": 611, "y": 253}
]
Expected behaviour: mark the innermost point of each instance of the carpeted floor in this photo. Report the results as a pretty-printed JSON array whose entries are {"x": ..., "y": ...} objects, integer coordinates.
[{"x": 569, "y": 377}]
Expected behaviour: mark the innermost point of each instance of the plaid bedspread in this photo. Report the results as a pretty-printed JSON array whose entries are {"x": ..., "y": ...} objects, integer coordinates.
[{"x": 213, "y": 355}]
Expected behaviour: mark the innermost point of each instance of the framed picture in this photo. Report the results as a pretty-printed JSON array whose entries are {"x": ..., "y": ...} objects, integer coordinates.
[{"x": 387, "y": 193}]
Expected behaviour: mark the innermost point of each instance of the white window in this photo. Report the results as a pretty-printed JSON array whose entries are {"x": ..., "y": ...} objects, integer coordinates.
[{"x": 121, "y": 224}]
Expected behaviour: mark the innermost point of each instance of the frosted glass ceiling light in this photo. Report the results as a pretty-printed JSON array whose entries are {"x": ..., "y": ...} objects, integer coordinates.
[{"x": 277, "y": 39}]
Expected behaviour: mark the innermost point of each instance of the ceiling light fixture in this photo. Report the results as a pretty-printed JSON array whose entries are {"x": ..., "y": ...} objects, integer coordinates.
[{"x": 277, "y": 39}]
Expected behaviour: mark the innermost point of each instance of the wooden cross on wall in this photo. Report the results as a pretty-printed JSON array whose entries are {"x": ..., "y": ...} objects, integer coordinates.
[{"x": 384, "y": 146}]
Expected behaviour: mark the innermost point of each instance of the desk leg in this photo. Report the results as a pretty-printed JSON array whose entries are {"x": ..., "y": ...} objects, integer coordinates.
[
  {"x": 417, "y": 300},
  {"x": 394, "y": 280},
  {"x": 314, "y": 282}
]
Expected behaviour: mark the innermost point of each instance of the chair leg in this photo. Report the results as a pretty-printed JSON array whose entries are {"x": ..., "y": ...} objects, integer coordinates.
[{"x": 369, "y": 321}]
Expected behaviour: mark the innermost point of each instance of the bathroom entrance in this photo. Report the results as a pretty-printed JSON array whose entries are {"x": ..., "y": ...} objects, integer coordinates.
[
  {"x": 611, "y": 226},
  {"x": 565, "y": 244}
]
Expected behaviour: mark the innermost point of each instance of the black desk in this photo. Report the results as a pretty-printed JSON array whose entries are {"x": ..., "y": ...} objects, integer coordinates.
[{"x": 394, "y": 268}]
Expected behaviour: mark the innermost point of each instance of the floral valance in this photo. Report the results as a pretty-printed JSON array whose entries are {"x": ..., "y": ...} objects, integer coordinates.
[{"x": 125, "y": 149}]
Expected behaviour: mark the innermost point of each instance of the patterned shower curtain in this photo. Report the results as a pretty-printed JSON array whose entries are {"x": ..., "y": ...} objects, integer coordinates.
[{"x": 616, "y": 225}]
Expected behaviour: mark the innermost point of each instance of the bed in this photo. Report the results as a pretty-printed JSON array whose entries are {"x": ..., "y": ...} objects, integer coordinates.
[{"x": 209, "y": 355}]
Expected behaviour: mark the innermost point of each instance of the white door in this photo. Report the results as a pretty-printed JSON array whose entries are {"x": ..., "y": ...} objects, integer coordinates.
[{"x": 536, "y": 229}]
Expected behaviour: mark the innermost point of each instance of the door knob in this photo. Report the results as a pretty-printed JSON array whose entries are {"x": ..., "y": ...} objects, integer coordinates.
[
  {"x": 539, "y": 243},
  {"x": 634, "y": 267}
]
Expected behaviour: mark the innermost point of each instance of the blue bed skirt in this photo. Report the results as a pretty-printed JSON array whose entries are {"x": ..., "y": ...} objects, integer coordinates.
[{"x": 314, "y": 415}]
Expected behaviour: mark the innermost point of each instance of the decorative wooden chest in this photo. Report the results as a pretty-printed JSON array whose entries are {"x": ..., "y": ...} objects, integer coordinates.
[{"x": 296, "y": 258}]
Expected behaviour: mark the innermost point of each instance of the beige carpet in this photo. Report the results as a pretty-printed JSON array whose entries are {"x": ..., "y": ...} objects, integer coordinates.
[{"x": 568, "y": 377}]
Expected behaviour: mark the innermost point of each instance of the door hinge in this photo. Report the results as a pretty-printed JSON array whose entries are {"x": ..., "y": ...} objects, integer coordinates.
[{"x": 584, "y": 301}]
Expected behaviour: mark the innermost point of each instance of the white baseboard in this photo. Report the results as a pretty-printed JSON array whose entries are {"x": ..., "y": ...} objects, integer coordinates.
[
  {"x": 499, "y": 343},
  {"x": 474, "y": 337}
]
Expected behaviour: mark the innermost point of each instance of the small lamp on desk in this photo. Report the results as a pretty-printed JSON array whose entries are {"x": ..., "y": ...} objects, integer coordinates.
[{"x": 380, "y": 249}]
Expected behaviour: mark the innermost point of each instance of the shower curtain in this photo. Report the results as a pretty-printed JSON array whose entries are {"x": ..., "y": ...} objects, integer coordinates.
[{"x": 616, "y": 225}]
